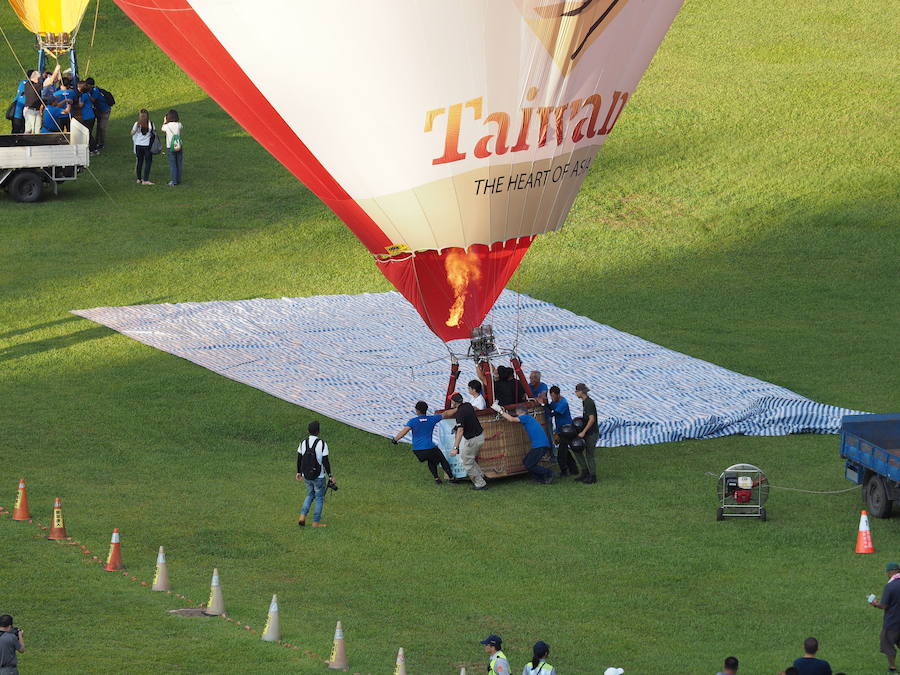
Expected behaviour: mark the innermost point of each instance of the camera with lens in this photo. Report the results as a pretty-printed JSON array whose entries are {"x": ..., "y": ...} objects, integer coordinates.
[{"x": 331, "y": 484}]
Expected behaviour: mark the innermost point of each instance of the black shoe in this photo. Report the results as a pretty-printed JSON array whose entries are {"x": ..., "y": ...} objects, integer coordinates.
[
  {"x": 476, "y": 487},
  {"x": 591, "y": 479},
  {"x": 438, "y": 481},
  {"x": 583, "y": 478},
  {"x": 546, "y": 481}
]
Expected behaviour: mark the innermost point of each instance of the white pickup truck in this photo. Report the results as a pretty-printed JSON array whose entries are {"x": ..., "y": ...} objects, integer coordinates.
[{"x": 27, "y": 161}]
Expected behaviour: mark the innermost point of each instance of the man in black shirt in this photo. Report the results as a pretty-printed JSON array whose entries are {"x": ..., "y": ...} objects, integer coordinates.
[
  {"x": 507, "y": 389},
  {"x": 468, "y": 439},
  {"x": 32, "y": 110},
  {"x": 890, "y": 603}
]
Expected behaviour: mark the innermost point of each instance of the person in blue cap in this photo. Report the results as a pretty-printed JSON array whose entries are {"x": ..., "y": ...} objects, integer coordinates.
[
  {"x": 539, "y": 665},
  {"x": 498, "y": 664}
]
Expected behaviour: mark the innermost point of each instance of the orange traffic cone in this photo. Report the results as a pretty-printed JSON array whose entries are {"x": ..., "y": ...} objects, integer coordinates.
[
  {"x": 58, "y": 529},
  {"x": 338, "y": 660},
  {"x": 401, "y": 663},
  {"x": 114, "y": 559},
  {"x": 20, "y": 512},
  {"x": 161, "y": 578},
  {"x": 864, "y": 535}
]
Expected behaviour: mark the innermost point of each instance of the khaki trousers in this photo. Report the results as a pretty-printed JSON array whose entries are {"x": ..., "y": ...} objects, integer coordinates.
[{"x": 468, "y": 453}]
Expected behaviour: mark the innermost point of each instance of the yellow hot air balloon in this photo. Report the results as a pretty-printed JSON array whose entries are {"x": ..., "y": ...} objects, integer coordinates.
[{"x": 54, "y": 22}]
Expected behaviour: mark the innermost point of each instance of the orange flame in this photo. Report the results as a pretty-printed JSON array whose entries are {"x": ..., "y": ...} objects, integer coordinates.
[{"x": 462, "y": 268}]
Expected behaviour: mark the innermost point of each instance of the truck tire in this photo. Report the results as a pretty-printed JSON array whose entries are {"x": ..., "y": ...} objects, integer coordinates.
[
  {"x": 26, "y": 186},
  {"x": 877, "y": 497}
]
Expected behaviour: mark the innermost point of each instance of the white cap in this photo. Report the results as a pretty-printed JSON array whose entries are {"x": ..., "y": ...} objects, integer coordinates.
[{"x": 614, "y": 671}]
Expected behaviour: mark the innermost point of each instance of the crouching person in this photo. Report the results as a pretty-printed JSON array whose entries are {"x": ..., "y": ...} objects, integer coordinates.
[{"x": 540, "y": 444}]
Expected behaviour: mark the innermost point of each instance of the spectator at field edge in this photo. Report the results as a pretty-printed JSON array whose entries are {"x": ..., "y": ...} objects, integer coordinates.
[
  {"x": 809, "y": 664},
  {"x": 12, "y": 640},
  {"x": 539, "y": 665},
  {"x": 730, "y": 666},
  {"x": 498, "y": 665},
  {"x": 890, "y": 603},
  {"x": 423, "y": 447}
]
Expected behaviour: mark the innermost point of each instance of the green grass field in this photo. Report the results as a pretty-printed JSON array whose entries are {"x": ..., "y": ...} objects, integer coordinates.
[{"x": 744, "y": 212}]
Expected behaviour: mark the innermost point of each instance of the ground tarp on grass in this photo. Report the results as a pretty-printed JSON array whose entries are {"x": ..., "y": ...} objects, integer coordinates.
[{"x": 366, "y": 359}]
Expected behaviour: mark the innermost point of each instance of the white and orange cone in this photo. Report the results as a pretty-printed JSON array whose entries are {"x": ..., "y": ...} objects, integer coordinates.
[
  {"x": 114, "y": 559},
  {"x": 338, "y": 660},
  {"x": 20, "y": 511},
  {"x": 161, "y": 578},
  {"x": 58, "y": 528},
  {"x": 864, "y": 535},
  {"x": 401, "y": 663},
  {"x": 272, "y": 631},
  {"x": 215, "y": 606}
]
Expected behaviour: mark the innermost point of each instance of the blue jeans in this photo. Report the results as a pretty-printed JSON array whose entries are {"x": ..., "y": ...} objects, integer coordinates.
[
  {"x": 176, "y": 158},
  {"x": 315, "y": 489},
  {"x": 531, "y": 463}
]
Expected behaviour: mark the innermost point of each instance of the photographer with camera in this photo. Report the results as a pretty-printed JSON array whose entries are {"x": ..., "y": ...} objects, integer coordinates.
[
  {"x": 12, "y": 640},
  {"x": 314, "y": 468}
]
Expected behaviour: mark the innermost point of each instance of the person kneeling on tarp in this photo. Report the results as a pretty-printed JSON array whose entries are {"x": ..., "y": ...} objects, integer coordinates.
[
  {"x": 422, "y": 427},
  {"x": 540, "y": 444}
]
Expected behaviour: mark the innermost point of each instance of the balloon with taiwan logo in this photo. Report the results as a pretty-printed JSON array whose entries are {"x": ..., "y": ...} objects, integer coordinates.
[{"x": 446, "y": 135}]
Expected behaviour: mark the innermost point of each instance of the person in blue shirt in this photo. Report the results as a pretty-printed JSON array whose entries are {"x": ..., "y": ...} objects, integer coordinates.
[
  {"x": 18, "y": 120},
  {"x": 537, "y": 437},
  {"x": 101, "y": 111},
  {"x": 558, "y": 410},
  {"x": 809, "y": 663},
  {"x": 87, "y": 116},
  {"x": 423, "y": 447},
  {"x": 56, "y": 117},
  {"x": 538, "y": 388}
]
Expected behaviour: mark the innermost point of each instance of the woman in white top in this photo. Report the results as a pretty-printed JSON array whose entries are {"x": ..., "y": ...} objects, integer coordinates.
[
  {"x": 174, "y": 147},
  {"x": 142, "y": 136},
  {"x": 539, "y": 665}
]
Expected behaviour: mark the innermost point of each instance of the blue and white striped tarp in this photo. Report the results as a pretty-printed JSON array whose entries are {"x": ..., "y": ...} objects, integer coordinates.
[{"x": 365, "y": 359}]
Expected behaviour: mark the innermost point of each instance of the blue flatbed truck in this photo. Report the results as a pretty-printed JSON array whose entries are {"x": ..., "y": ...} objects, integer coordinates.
[{"x": 871, "y": 446}]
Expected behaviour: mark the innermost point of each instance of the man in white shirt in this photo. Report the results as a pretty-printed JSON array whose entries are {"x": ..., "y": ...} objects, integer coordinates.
[
  {"x": 314, "y": 468},
  {"x": 475, "y": 396}
]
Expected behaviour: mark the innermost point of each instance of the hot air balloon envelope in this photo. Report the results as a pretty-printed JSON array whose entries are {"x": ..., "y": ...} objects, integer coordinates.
[
  {"x": 50, "y": 17},
  {"x": 447, "y": 135}
]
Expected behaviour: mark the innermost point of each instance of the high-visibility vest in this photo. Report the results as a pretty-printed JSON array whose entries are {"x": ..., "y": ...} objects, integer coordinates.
[
  {"x": 493, "y": 666},
  {"x": 543, "y": 667}
]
